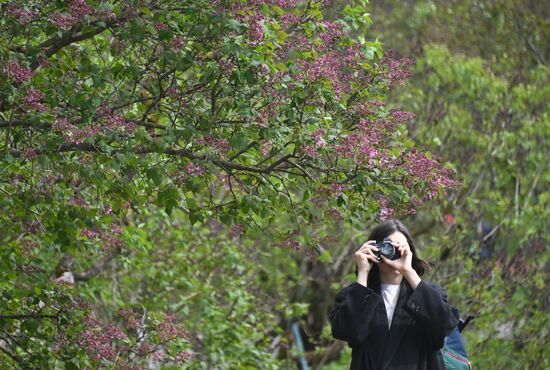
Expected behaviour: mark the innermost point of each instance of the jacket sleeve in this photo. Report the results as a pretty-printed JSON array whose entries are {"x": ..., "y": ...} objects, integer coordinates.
[
  {"x": 352, "y": 313},
  {"x": 428, "y": 306}
]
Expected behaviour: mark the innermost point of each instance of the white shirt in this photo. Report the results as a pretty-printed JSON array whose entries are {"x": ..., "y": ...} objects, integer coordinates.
[{"x": 390, "y": 293}]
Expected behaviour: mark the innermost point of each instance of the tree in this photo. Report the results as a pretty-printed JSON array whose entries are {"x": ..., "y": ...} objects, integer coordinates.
[
  {"x": 481, "y": 97},
  {"x": 243, "y": 112}
]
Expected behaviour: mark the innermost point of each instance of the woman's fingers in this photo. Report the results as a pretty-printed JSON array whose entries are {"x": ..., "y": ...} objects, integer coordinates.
[
  {"x": 367, "y": 254},
  {"x": 374, "y": 259},
  {"x": 368, "y": 246}
]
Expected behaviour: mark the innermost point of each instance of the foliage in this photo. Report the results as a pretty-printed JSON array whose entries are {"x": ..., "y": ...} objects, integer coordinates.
[
  {"x": 481, "y": 96},
  {"x": 121, "y": 120}
]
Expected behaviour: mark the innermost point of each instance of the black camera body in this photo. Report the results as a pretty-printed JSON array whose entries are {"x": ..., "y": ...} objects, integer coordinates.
[{"x": 387, "y": 249}]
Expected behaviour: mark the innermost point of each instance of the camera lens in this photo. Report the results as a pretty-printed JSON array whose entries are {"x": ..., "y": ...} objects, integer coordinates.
[{"x": 387, "y": 250}]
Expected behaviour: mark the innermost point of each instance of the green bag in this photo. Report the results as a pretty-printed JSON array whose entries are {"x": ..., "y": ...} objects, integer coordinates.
[{"x": 454, "y": 361}]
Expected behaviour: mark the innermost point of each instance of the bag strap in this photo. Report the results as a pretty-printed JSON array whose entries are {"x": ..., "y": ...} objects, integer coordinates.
[{"x": 462, "y": 324}]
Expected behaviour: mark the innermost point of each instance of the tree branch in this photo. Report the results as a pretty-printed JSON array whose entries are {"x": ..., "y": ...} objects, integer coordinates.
[
  {"x": 58, "y": 43},
  {"x": 88, "y": 147}
]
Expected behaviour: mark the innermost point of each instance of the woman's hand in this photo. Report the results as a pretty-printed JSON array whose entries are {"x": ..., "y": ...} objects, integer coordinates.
[
  {"x": 403, "y": 263},
  {"x": 365, "y": 257}
]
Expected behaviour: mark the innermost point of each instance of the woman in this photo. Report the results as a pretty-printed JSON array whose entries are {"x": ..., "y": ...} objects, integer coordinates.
[{"x": 390, "y": 317}]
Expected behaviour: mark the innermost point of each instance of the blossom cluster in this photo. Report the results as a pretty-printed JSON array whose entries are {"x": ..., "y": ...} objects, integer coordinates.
[
  {"x": 220, "y": 145},
  {"x": 77, "y": 10},
  {"x": 110, "y": 239},
  {"x": 132, "y": 321},
  {"x": 422, "y": 168},
  {"x": 184, "y": 356},
  {"x": 169, "y": 329},
  {"x": 395, "y": 71},
  {"x": 108, "y": 343},
  {"x": 255, "y": 29},
  {"x": 112, "y": 121},
  {"x": 22, "y": 15},
  {"x": 364, "y": 144},
  {"x": 194, "y": 169},
  {"x": 290, "y": 241},
  {"x": 34, "y": 98},
  {"x": 236, "y": 231},
  {"x": 265, "y": 147},
  {"x": 16, "y": 72},
  {"x": 386, "y": 212},
  {"x": 102, "y": 341},
  {"x": 73, "y": 134}
]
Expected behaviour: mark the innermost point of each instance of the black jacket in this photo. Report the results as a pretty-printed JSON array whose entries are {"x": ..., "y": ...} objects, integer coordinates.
[{"x": 421, "y": 321}]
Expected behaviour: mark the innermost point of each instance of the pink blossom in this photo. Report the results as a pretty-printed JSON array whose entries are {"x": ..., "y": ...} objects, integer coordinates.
[
  {"x": 116, "y": 229},
  {"x": 193, "y": 169},
  {"x": 236, "y": 231},
  {"x": 168, "y": 329},
  {"x": 63, "y": 21},
  {"x": 23, "y": 16},
  {"x": 396, "y": 70},
  {"x": 279, "y": 3},
  {"x": 73, "y": 134},
  {"x": 318, "y": 137},
  {"x": 161, "y": 26},
  {"x": 178, "y": 43},
  {"x": 115, "y": 121},
  {"x": 107, "y": 210},
  {"x": 225, "y": 180},
  {"x": 255, "y": 29},
  {"x": 385, "y": 211},
  {"x": 34, "y": 98},
  {"x": 49, "y": 180},
  {"x": 29, "y": 154},
  {"x": 288, "y": 19},
  {"x": 422, "y": 168},
  {"x": 78, "y": 201},
  {"x": 18, "y": 73},
  {"x": 220, "y": 145},
  {"x": 172, "y": 91},
  {"x": 309, "y": 150},
  {"x": 130, "y": 127},
  {"x": 291, "y": 243},
  {"x": 88, "y": 233},
  {"x": 312, "y": 255},
  {"x": 102, "y": 340},
  {"x": 145, "y": 349},
  {"x": 103, "y": 110},
  {"x": 157, "y": 355},
  {"x": 265, "y": 146},
  {"x": 402, "y": 117},
  {"x": 79, "y": 8},
  {"x": 335, "y": 214},
  {"x": 111, "y": 243},
  {"x": 183, "y": 357},
  {"x": 132, "y": 322},
  {"x": 333, "y": 31}
]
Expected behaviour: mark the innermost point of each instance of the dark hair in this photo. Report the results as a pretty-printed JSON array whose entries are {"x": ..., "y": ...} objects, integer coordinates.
[{"x": 384, "y": 230}]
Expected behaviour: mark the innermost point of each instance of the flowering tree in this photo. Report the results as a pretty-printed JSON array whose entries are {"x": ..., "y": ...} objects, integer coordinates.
[{"x": 239, "y": 111}]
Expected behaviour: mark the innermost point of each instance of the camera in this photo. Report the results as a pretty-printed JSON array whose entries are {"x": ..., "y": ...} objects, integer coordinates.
[{"x": 386, "y": 249}]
